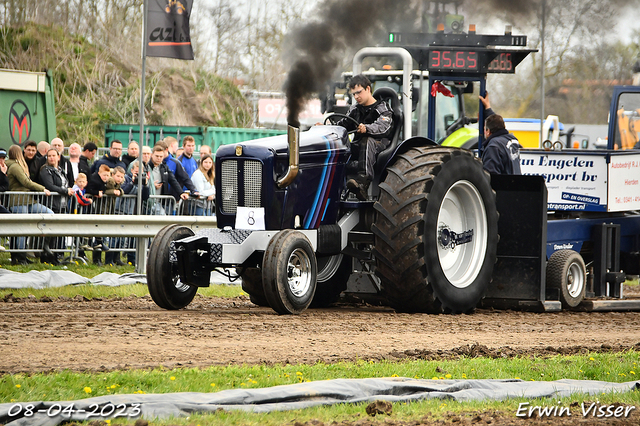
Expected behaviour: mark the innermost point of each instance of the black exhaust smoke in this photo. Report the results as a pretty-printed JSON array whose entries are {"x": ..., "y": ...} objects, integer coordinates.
[{"x": 319, "y": 47}]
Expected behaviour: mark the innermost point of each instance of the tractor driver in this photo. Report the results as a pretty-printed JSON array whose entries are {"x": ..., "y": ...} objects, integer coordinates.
[{"x": 372, "y": 133}]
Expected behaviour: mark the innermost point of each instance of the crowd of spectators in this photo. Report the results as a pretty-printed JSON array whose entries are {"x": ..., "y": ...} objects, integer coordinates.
[{"x": 82, "y": 183}]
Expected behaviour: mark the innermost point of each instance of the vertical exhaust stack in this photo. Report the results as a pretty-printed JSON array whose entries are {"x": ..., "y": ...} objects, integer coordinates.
[{"x": 293, "y": 138}]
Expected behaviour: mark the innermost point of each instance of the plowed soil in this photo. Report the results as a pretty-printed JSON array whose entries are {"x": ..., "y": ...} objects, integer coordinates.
[{"x": 43, "y": 335}]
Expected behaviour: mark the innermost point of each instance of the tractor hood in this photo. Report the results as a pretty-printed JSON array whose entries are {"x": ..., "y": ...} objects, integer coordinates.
[{"x": 317, "y": 139}]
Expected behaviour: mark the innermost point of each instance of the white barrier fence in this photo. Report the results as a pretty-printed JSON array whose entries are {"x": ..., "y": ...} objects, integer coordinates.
[{"x": 114, "y": 226}]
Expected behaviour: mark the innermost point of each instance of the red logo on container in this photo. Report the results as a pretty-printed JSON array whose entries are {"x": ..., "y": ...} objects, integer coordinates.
[{"x": 19, "y": 122}]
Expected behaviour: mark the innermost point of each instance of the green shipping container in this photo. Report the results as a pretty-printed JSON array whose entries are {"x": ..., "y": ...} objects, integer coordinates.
[
  {"x": 212, "y": 136},
  {"x": 27, "y": 110},
  {"x": 131, "y": 132},
  {"x": 217, "y": 136}
]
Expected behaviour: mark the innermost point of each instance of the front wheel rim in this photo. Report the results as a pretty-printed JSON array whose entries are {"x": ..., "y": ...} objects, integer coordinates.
[
  {"x": 575, "y": 280},
  {"x": 299, "y": 273},
  {"x": 462, "y": 234}
]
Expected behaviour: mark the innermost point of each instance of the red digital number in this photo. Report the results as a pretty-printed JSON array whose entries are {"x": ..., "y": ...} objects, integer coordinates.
[
  {"x": 501, "y": 63},
  {"x": 435, "y": 59},
  {"x": 446, "y": 59},
  {"x": 460, "y": 61},
  {"x": 472, "y": 62}
]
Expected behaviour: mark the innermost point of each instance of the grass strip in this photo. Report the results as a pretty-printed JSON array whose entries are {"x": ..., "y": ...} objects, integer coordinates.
[{"x": 610, "y": 367}]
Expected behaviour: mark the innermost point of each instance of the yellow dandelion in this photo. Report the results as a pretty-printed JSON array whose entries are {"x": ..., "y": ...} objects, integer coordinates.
[
  {"x": 591, "y": 359},
  {"x": 632, "y": 372},
  {"x": 441, "y": 378},
  {"x": 464, "y": 376},
  {"x": 622, "y": 375},
  {"x": 172, "y": 377},
  {"x": 243, "y": 384},
  {"x": 517, "y": 378},
  {"x": 108, "y": 421},
  {"x": 434, "y": 378},
  {"x": 213, "y": 385},
  {"x": 298, "y": 373},
  {"x": 18, "y": 386},
  {"x": 448, "y": 376},
  {"x": 581, "y": 371},
  {"x": 394, "y": 375},
  {"x": 87, "y": 389}
]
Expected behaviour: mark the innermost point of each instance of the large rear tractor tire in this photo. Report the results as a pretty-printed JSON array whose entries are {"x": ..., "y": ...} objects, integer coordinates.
[
  {"x": 566, "y": 271},
  {"x": 333, "y": 274},
  {"x": 163, "y": 279},
  {"x": 289, "y": 272},
  {"x": 436, "y": 231}
]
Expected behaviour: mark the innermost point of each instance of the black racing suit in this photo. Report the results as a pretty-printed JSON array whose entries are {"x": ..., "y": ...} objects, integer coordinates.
[{"x": 378, "y": 119}]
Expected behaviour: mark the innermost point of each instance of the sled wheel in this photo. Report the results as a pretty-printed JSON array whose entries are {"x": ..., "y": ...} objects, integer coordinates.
[
  {"x": 566, "y": 271},
  {"x": 252, "y": 285},
  {"x": 436, "y": 231},
  {"x": 333, "y": 274},
  {"x": 289, "y": 272},
  {"x": 163, "y": 280}
]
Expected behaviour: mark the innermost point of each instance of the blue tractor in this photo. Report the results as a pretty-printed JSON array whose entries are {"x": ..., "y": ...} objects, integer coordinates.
[{"x": 425, "y": 239}]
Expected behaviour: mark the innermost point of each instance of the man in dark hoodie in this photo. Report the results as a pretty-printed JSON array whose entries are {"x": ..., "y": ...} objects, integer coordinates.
[
  {"x": 30, "y": 153},
  {"x": 112, "y": 159},
  {"x": 133, "y": 151},
  {"x": 88, "y": 152},
  {"x": 501, "y": 150}
]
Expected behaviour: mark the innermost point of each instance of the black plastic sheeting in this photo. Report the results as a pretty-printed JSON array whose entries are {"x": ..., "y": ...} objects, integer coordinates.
[{"x": 296, "y": 396}]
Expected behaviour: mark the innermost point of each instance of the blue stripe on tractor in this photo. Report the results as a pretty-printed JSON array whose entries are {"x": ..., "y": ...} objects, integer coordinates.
[{"x": 312, "y": 217}]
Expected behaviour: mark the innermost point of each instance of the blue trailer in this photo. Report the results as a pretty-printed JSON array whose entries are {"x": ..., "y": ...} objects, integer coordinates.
[{"x": 570, "y": 227}]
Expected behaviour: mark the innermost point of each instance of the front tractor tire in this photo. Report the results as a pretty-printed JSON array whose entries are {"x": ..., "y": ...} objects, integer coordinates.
[
  {"x": 436, "y": 231},
  {"x": 163, "y": 280},
  {"x": 289, "y": 272}
]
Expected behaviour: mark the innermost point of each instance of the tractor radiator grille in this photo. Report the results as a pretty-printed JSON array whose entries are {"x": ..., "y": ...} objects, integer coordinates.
[{"x": 245, "y": 175}]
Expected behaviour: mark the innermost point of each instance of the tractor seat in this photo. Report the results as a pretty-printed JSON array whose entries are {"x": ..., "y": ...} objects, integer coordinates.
[{"x": 390, "y": 96}]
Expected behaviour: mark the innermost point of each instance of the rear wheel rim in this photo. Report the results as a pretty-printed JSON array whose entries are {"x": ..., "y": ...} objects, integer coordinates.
[
  {"x": 299, "y": 272},
  {"x": 462, "y": 219}
]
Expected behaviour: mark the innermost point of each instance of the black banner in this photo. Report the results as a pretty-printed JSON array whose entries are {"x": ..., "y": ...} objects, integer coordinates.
[{"x": 168, "y": 29}]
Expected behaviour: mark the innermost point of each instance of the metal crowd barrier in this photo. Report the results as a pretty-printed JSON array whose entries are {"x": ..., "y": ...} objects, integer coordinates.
[{"x": 75, "y": 244}]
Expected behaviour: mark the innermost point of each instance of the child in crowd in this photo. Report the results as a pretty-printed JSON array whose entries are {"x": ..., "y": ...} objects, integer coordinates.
[
  {"x": 82, "y": 204},
  {"x": 112, "y": 257},
  {"x": 79, "y": 190},
  {"x": 114, "y": 182},
  {"x": 97, "y": 187}
]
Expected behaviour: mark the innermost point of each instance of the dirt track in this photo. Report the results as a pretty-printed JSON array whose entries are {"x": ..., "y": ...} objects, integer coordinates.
[{"x": 76, "y": 334}]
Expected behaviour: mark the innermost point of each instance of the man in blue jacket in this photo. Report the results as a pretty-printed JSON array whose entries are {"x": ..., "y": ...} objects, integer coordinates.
[
  {"x": 188, "y": 162},
  {"x": 501, "y": 149}
]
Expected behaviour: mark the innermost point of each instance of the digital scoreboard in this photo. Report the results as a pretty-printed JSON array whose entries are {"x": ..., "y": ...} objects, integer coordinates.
[{"x": 464, "y": 53}]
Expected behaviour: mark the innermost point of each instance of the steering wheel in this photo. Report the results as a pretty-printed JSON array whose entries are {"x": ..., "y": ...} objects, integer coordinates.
[{"x": 335, "y": 115}]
